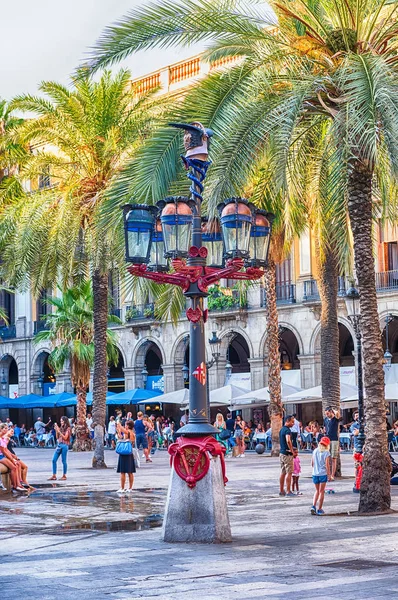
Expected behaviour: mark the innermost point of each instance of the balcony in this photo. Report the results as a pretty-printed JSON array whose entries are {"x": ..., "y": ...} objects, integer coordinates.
[
  {"x": 387, "y": 281},
  {"x": 39, "y": 326},
  {"x": 310, "y": 291},
  {"x": 8, "y": 332},
  {"x": 116, "y": 312},
  {"x": 285, "y": 294},
  {"x": 139, "y": 312}
]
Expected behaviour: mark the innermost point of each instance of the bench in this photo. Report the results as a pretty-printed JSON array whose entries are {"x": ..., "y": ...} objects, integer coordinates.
[{"x": 5, "y": 477}]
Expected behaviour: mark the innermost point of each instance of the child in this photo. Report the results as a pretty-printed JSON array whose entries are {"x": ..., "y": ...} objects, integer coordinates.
[
  {"x": 321, "y": 473},
  {"x": 296, "y": 472}
]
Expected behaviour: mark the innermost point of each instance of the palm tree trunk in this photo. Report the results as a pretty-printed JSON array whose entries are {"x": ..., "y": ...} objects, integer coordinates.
[
  {"x": 375, "y": 488},
  {"x": 100, "y": 380},
  {"x": 274, "y": 362},
  {"x": 82, "y": 435},
  {"x": 330, "y": 352}
]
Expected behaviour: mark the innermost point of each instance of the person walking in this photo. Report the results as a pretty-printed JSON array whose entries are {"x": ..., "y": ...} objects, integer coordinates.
[
  {"x": 141, "y": 437},
  {"x": 112, "y": 433},
  {"x": 321, "y": 474},
  {"x": 332, "y": 426},
  {"x": 63, "y": 434},
  {"x": 240, "y": 435},
  {"x": 126, "y": 464},
  {"x": 286, "y": 457},
  {"x": 220, "y": 424}
]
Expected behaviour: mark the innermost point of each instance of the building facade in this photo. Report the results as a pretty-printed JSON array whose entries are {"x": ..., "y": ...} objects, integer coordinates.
[{"x": 163, "y": 349}]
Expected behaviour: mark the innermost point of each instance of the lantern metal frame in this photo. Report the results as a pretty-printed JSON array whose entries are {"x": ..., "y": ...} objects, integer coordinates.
[
  {"x": 236, "y": 217},
  {"x": 166, "y": 219},
  {"x": 127, "y": 210},
  {"x": 254, "y": 261}
]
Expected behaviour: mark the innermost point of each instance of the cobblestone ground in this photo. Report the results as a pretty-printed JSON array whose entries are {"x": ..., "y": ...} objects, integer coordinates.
[{"x": 79, "y": 539}]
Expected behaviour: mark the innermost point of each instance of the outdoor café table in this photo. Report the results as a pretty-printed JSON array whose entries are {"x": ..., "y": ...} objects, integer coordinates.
[
  {"x": 345, "y": 440},
  {"x": 307, "y": 439}
]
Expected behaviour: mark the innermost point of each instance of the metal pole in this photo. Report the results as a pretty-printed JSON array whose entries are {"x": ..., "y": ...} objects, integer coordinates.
[
  {"x": 198, "y": 396},
  {"x": 361, "y": 412}
]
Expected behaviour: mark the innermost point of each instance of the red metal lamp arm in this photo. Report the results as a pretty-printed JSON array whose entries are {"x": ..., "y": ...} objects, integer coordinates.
[{"x": 179, "y": 279}]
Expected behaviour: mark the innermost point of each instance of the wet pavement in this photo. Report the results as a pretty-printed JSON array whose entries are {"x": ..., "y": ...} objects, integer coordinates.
[{"x": 79, "y": 534}]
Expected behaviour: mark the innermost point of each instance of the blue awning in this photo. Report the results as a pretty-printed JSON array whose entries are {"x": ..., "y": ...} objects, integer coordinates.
[{"x": 134, "y": 396}]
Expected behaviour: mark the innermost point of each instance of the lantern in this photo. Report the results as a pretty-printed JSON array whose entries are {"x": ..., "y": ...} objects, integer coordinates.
[
  {"x": 158, "y": 261},
  {"x": 138, "y": 231},
  {"x": 176, "y": 219},
  {"x": 212, "y": 241},
  {"x": 260, "y": 238},
  {"x": 236, "y": 222}
]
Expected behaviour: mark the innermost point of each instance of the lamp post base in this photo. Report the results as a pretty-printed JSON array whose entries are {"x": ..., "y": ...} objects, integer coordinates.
[{"x": 196, "y": 507}]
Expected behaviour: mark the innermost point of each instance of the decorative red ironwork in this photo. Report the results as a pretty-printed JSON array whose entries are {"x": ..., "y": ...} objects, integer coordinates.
[
  {"x": 194, "y": 314},
  {"x": 184, "y": 275},
  {"x": 191, "y": 460},
  {"x": 193, "y": 252},
  {"x": 358, "y": 457},
  {"x": 203, "y": 252}
]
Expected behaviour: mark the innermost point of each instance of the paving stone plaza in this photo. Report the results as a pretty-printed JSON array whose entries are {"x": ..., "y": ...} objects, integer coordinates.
[{"x": 80, "y": 539}]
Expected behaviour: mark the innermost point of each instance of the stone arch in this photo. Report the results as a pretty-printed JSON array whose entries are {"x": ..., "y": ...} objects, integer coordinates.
[
  {"x": 225, "y": 336},
  {"x": 140, "y": 351},
  {"x": 116, "y": 380},
  {"x": 347, "y": 342},
  {"x": 41, "y": 372},
  {"x": 237, "y": 351},
  {"x": 289, "y": 348},
  {"x": 294, "y": 331},
  {"x": 392, "y": 333},
  {"x": 179, "y": 358},
  {"x": 9, "y": 374}
]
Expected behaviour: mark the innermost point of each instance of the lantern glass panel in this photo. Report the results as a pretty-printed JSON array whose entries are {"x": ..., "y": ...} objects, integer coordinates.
[
  {"x": 212, "y": 241},
  {"x": 259, "y": 243},
  {"x": 236, "y": 232},
  {"x": 176, "y": 226},
  {"x": 158, "y": 261},
  {"x": 138, "y": 234}
]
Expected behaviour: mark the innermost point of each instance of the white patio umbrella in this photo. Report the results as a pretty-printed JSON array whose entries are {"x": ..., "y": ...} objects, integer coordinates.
[
  {"x": 390, "y": 391},
  {"x": 177, "y": 397},
  {"x": 224, "y": 395},
  {"x": 262, "y": 395},
  {"x": 315, "y": 393}
]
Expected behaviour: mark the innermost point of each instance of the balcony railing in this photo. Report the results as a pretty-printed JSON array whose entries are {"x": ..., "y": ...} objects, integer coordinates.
[
  {"x": 116, "y": 312},
  {"x": 310, "y": 290},
  {"x": 387, "y": 280},
  {"x": 8, "y": 332},
  {"x": 285, "y": 294},
  {"x": 39, "y": 326},
  {"x": 139, "y": 312}
]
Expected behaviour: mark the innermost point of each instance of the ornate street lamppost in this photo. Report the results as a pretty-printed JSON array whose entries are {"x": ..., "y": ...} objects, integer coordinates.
[
  {"x": 387, "y": 353},
  {"x": 144, "y": 375},
  {"x": 215, "y": 344},
  {"x": 3, "y": 381},
  {"x": 352, "y": 303},
  {"x": 196, "y": 507},
  {"x": 40, "y": 382}
]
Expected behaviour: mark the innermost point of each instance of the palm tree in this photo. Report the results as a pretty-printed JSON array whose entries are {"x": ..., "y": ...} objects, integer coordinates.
[
  {"x": 80, "y": 138},
  {"x": 327, "y": 63},
  {"x": 71, "y": 333}
]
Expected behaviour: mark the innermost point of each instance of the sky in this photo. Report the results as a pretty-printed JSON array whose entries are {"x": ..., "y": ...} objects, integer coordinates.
[{"x": 44, "y": 40}]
